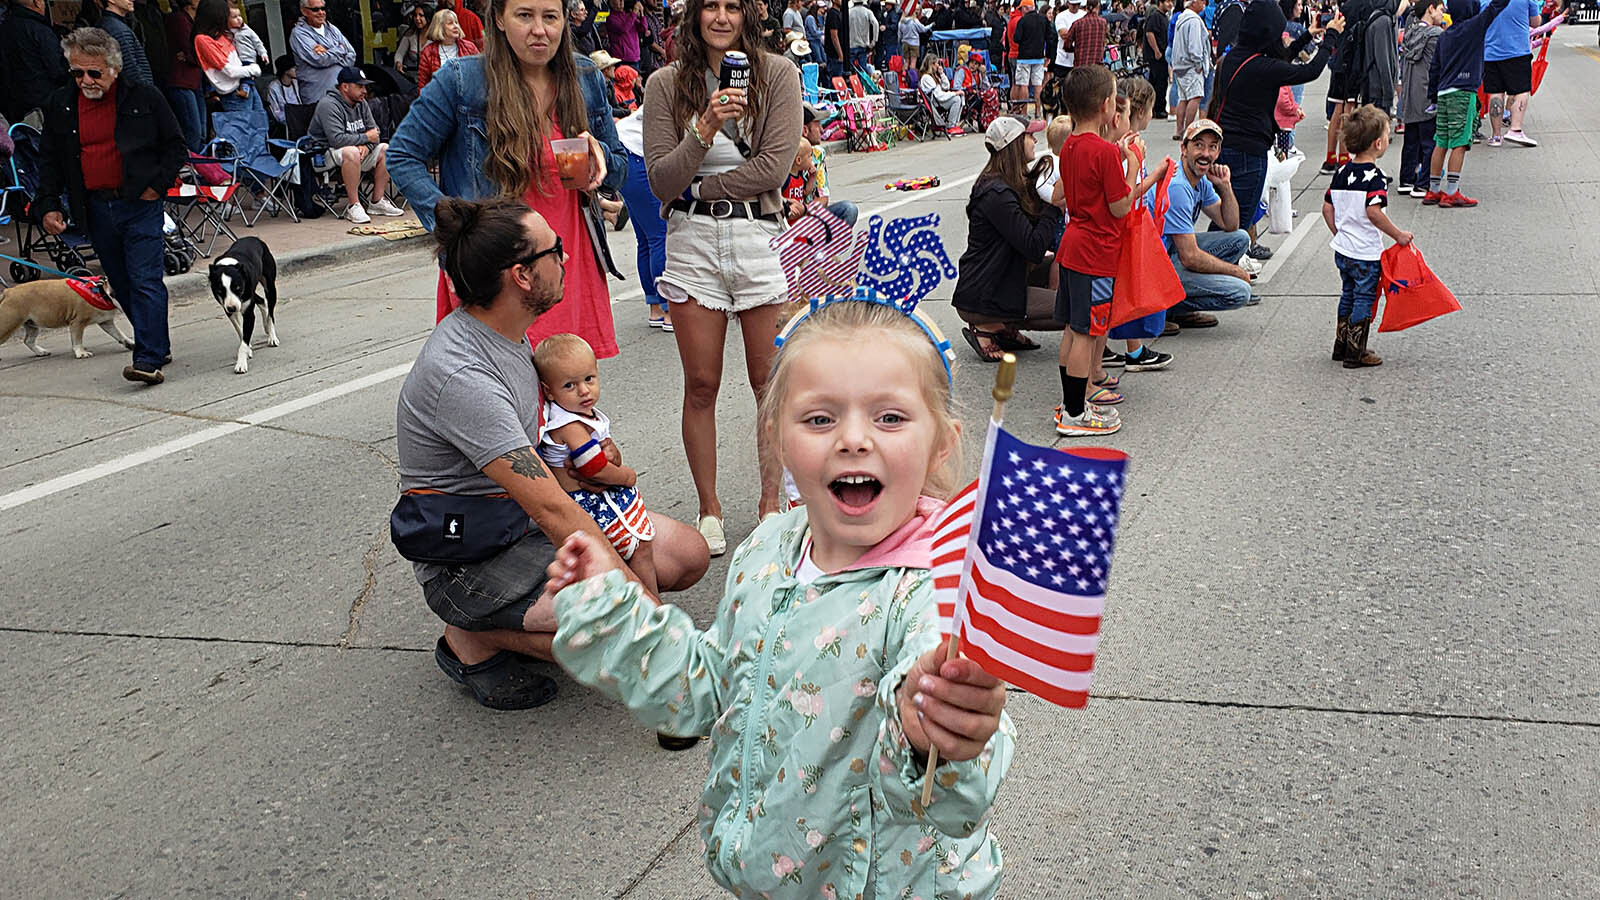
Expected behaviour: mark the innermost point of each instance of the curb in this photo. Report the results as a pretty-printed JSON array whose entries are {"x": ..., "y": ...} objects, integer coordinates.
[{"x": 186, "y": 288}]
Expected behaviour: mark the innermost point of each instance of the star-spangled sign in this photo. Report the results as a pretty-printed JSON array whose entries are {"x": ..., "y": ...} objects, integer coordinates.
[{"x": 905, "y": 258}]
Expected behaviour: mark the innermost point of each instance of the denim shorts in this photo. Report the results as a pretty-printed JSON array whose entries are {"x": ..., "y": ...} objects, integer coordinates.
[
  {"x": 723, "y": 264},
  {"x": 495, "y": 593}
]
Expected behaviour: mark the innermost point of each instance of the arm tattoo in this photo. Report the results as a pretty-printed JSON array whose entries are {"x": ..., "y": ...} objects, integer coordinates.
[{"x": 525, "y": 463}]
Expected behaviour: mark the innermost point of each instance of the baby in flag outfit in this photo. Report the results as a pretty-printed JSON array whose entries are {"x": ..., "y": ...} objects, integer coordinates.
[{"x": 576, "y": 430}]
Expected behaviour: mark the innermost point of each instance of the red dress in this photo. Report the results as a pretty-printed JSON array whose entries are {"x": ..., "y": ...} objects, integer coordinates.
[{"x": 585, "y": 307}]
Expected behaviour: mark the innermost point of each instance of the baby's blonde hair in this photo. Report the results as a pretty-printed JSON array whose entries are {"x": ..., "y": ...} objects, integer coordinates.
[
  {"x": 1057, "y": 132},
  {"x": 849, "y": 322},
  {"x": 558, "y": 347}
]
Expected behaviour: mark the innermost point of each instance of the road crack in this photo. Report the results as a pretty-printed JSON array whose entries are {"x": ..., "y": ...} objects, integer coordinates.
[{"x": 644, "y": 873}]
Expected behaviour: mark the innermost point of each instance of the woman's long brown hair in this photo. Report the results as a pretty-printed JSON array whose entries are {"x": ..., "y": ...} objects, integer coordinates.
[
  {"x": 517, "y": 129},
  {"x": 1012, "y": 166},
  {"x": 692, "y": 64}
]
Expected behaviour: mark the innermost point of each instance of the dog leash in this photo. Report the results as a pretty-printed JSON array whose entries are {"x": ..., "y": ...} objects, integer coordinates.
[{"x": 46, "y": 269}]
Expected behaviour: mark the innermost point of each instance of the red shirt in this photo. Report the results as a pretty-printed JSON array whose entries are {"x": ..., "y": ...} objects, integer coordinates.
[
  {"x": 1092, "y": 178},
  {"x": 97, "y": 140}
]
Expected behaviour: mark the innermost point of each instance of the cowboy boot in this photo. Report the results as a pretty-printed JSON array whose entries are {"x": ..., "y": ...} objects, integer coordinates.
[
  {"x": 1339, "y": 338},
  {"x": 1356, "y": 354}
]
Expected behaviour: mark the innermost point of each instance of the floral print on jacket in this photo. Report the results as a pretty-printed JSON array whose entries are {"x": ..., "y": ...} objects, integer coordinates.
[{"x": 814, "y": 790}]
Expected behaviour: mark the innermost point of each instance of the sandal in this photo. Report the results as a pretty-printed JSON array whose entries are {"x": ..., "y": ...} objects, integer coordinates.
[
  {"x": 1014, "y": 340},
  {"x": 504, "y": 681},
  {"x": 1110, "y": 381},
  {"x": 993, "y": 354},
  {"x": 1104, "y": 397}
]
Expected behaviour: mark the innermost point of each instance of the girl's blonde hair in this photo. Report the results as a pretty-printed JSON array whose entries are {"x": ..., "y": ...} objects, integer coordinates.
[{"x": 850, "y": 322}]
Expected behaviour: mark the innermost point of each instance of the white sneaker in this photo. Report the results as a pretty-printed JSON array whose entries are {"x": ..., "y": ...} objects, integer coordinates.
[
  {"x": 710, "y": 528},
  {"x": 1517, "y": 137},
  {"x": 357, "y": 215},
  {"x": 384, "y": 208}
]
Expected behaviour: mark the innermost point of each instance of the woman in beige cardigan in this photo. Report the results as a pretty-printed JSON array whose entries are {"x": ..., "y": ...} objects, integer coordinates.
[{"x": 717, "y": 157}]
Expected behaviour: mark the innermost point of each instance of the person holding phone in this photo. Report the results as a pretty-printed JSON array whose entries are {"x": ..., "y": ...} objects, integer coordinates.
[
  {"x": 490, "y": 120},
  {"x": 718, "y": 156}
]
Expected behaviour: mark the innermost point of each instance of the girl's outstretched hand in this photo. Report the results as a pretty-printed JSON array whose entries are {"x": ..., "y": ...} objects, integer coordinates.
[
  {"x": 950, "y": 704},
  {"x": 581, "y": 556}
]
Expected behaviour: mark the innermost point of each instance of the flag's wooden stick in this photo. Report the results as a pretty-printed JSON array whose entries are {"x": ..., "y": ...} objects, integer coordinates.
[{"x": 1004, "y": 378}]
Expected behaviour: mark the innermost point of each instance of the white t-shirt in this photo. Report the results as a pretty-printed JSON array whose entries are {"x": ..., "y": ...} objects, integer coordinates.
[
  {"x": 807, "y": 571},
  {"x": 1064, "y": 22},
  {"x": 630, "y": 132},
  {"x": 1047, "y": 183},
  {"x": 447, "y": 52}
]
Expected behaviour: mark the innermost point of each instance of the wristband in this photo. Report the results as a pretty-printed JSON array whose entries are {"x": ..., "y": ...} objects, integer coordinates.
[{"x": 589, "y": 458}]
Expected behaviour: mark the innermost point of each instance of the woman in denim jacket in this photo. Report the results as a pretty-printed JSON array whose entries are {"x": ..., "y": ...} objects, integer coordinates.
[{"x": 489, "y": 121}]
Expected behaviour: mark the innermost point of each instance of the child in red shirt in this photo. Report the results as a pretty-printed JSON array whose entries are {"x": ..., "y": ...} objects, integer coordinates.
[{"x": 1099, "y": 184}]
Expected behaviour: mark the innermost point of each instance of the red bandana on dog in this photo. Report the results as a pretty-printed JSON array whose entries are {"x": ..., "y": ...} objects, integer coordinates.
[{"x": 89, "y": 290}]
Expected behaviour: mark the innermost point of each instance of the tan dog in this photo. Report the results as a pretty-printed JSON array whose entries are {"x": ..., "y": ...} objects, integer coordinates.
[{"x": 55, "y": 304}]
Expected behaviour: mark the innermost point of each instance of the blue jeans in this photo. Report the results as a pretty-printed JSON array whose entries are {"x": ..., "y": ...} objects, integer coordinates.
[
  {"x": 189, "y": 105},
  {"x": 1249, "y": 171},
  {"x": 1360, "y": 290},
  {"x": 1213, "y": 293},
  {"x": 234, "y": 103},
  {"x": 127, "y": 237},
  {"x": 859, "y": 57},
  {"x": 649, "y": 229},
  {"x": 845, "y": 211}
]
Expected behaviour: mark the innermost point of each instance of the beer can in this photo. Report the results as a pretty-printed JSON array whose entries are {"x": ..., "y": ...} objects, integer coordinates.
[{"x": 735, "y": 70}]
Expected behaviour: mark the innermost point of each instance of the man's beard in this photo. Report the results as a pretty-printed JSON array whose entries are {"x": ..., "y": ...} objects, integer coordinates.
[
  {"x": 543, "y": 297},
  {"x": 94, "y": 93}
]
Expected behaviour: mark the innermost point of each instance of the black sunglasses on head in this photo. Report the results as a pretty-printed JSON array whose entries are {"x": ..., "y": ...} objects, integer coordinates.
[{"x": 78, "y": 74}]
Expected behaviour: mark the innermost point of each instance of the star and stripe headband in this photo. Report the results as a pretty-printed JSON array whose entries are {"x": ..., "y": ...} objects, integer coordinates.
[{"x": 906, "y": 306}]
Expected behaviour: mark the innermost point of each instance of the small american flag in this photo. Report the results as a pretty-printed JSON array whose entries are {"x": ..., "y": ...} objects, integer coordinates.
[{"x": 1020, "y": 563}]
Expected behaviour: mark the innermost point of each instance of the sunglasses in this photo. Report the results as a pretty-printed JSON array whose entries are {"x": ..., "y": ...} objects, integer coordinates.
[
  {"x": 553, "y": 250},
  {"x": 314, "y": 9},
  {"x": 80, "y": 74}
]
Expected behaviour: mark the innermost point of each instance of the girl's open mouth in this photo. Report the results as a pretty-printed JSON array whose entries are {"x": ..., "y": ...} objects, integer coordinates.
[{"x": 855, "y": 492}]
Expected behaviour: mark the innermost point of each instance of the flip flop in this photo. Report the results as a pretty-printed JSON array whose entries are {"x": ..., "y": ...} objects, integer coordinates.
[
  {"x": 657, "y": 321},
  {"x": 1104, "y": 397},
  {"x": 1110, "y": 381},
  {"x": 504, "y": 681},
  {"x": 971, "y": 334},
  {"x": 1014, "y": 341}
]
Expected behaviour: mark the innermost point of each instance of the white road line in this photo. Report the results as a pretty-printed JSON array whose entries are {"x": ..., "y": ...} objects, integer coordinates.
[
  {"x": 1280, "y": 256},
  {"x": 139, "y": 457}
]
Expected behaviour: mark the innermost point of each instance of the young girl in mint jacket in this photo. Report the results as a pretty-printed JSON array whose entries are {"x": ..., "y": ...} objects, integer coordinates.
[{"x": 823, "y": 681}]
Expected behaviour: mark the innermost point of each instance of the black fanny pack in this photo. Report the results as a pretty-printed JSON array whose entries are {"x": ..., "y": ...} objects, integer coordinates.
[{"x": 455, "y": 529}]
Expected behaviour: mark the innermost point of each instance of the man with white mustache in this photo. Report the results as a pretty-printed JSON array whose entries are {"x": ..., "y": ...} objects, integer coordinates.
[{"x": 115, "y": 147}]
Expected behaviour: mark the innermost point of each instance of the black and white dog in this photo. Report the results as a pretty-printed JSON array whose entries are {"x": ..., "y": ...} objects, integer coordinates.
[{"x": 239, "y": 278}]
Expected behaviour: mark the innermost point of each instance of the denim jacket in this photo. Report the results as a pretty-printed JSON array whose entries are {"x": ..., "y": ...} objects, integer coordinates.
[{"x": 447, "y": 123}]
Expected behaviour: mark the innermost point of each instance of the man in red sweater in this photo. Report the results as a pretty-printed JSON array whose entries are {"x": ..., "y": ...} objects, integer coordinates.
[{"x": 115, "y": 148}]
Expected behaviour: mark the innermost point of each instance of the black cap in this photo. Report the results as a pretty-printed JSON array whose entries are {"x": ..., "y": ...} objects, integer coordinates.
[{"x": 352, "y": 75}]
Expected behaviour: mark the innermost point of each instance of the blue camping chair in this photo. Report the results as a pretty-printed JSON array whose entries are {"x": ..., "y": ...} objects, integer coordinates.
[
  {"x": 256, "y": 167},
  {"x": 809, "y": 87}
]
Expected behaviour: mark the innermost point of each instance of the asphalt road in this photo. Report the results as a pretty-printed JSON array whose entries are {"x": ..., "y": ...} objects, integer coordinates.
[{"x": 1351, "y": 645}]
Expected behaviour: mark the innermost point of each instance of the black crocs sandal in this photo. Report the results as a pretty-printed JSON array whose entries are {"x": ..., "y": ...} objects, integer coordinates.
[
  {"x": 504, "y": 681},
  {"x": 674, "y": 743}
]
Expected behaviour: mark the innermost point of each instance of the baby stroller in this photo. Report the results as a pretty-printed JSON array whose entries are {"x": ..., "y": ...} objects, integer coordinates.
[{"x": 69, "y": 251}]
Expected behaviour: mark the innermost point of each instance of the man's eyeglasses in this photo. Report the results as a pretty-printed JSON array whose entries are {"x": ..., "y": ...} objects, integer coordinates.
[
  {"x": 553, "y": 250},
  {"x": 80, "y": 74}
]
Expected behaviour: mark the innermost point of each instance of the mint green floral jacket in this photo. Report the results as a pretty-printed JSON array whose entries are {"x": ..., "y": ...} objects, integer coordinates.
[{"x": 814, "y": 790}]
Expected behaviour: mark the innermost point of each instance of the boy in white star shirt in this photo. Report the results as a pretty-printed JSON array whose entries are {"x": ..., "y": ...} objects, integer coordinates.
[{"x": 1354, "y": 207}]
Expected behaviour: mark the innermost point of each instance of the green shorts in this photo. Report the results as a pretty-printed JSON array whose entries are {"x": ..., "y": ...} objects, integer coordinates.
[{"x": 1455, "y": 119}]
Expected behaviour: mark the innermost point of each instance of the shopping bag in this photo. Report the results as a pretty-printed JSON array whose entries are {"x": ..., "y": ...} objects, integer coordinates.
[
  {"x": 1540, "y": 66},
  {"x": 1146, "y": 283},
  {"x": 1280, "y": 210},
  {"x": 1412, "y": 294}
]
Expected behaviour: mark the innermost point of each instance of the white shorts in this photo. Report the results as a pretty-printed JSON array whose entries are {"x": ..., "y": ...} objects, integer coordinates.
[
  {"x": 1191, "y": 84},
  {"x": 722, "y": 264},
  {"x": 1030, "y": 72},
  {"x": 369, "y": 163}
]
